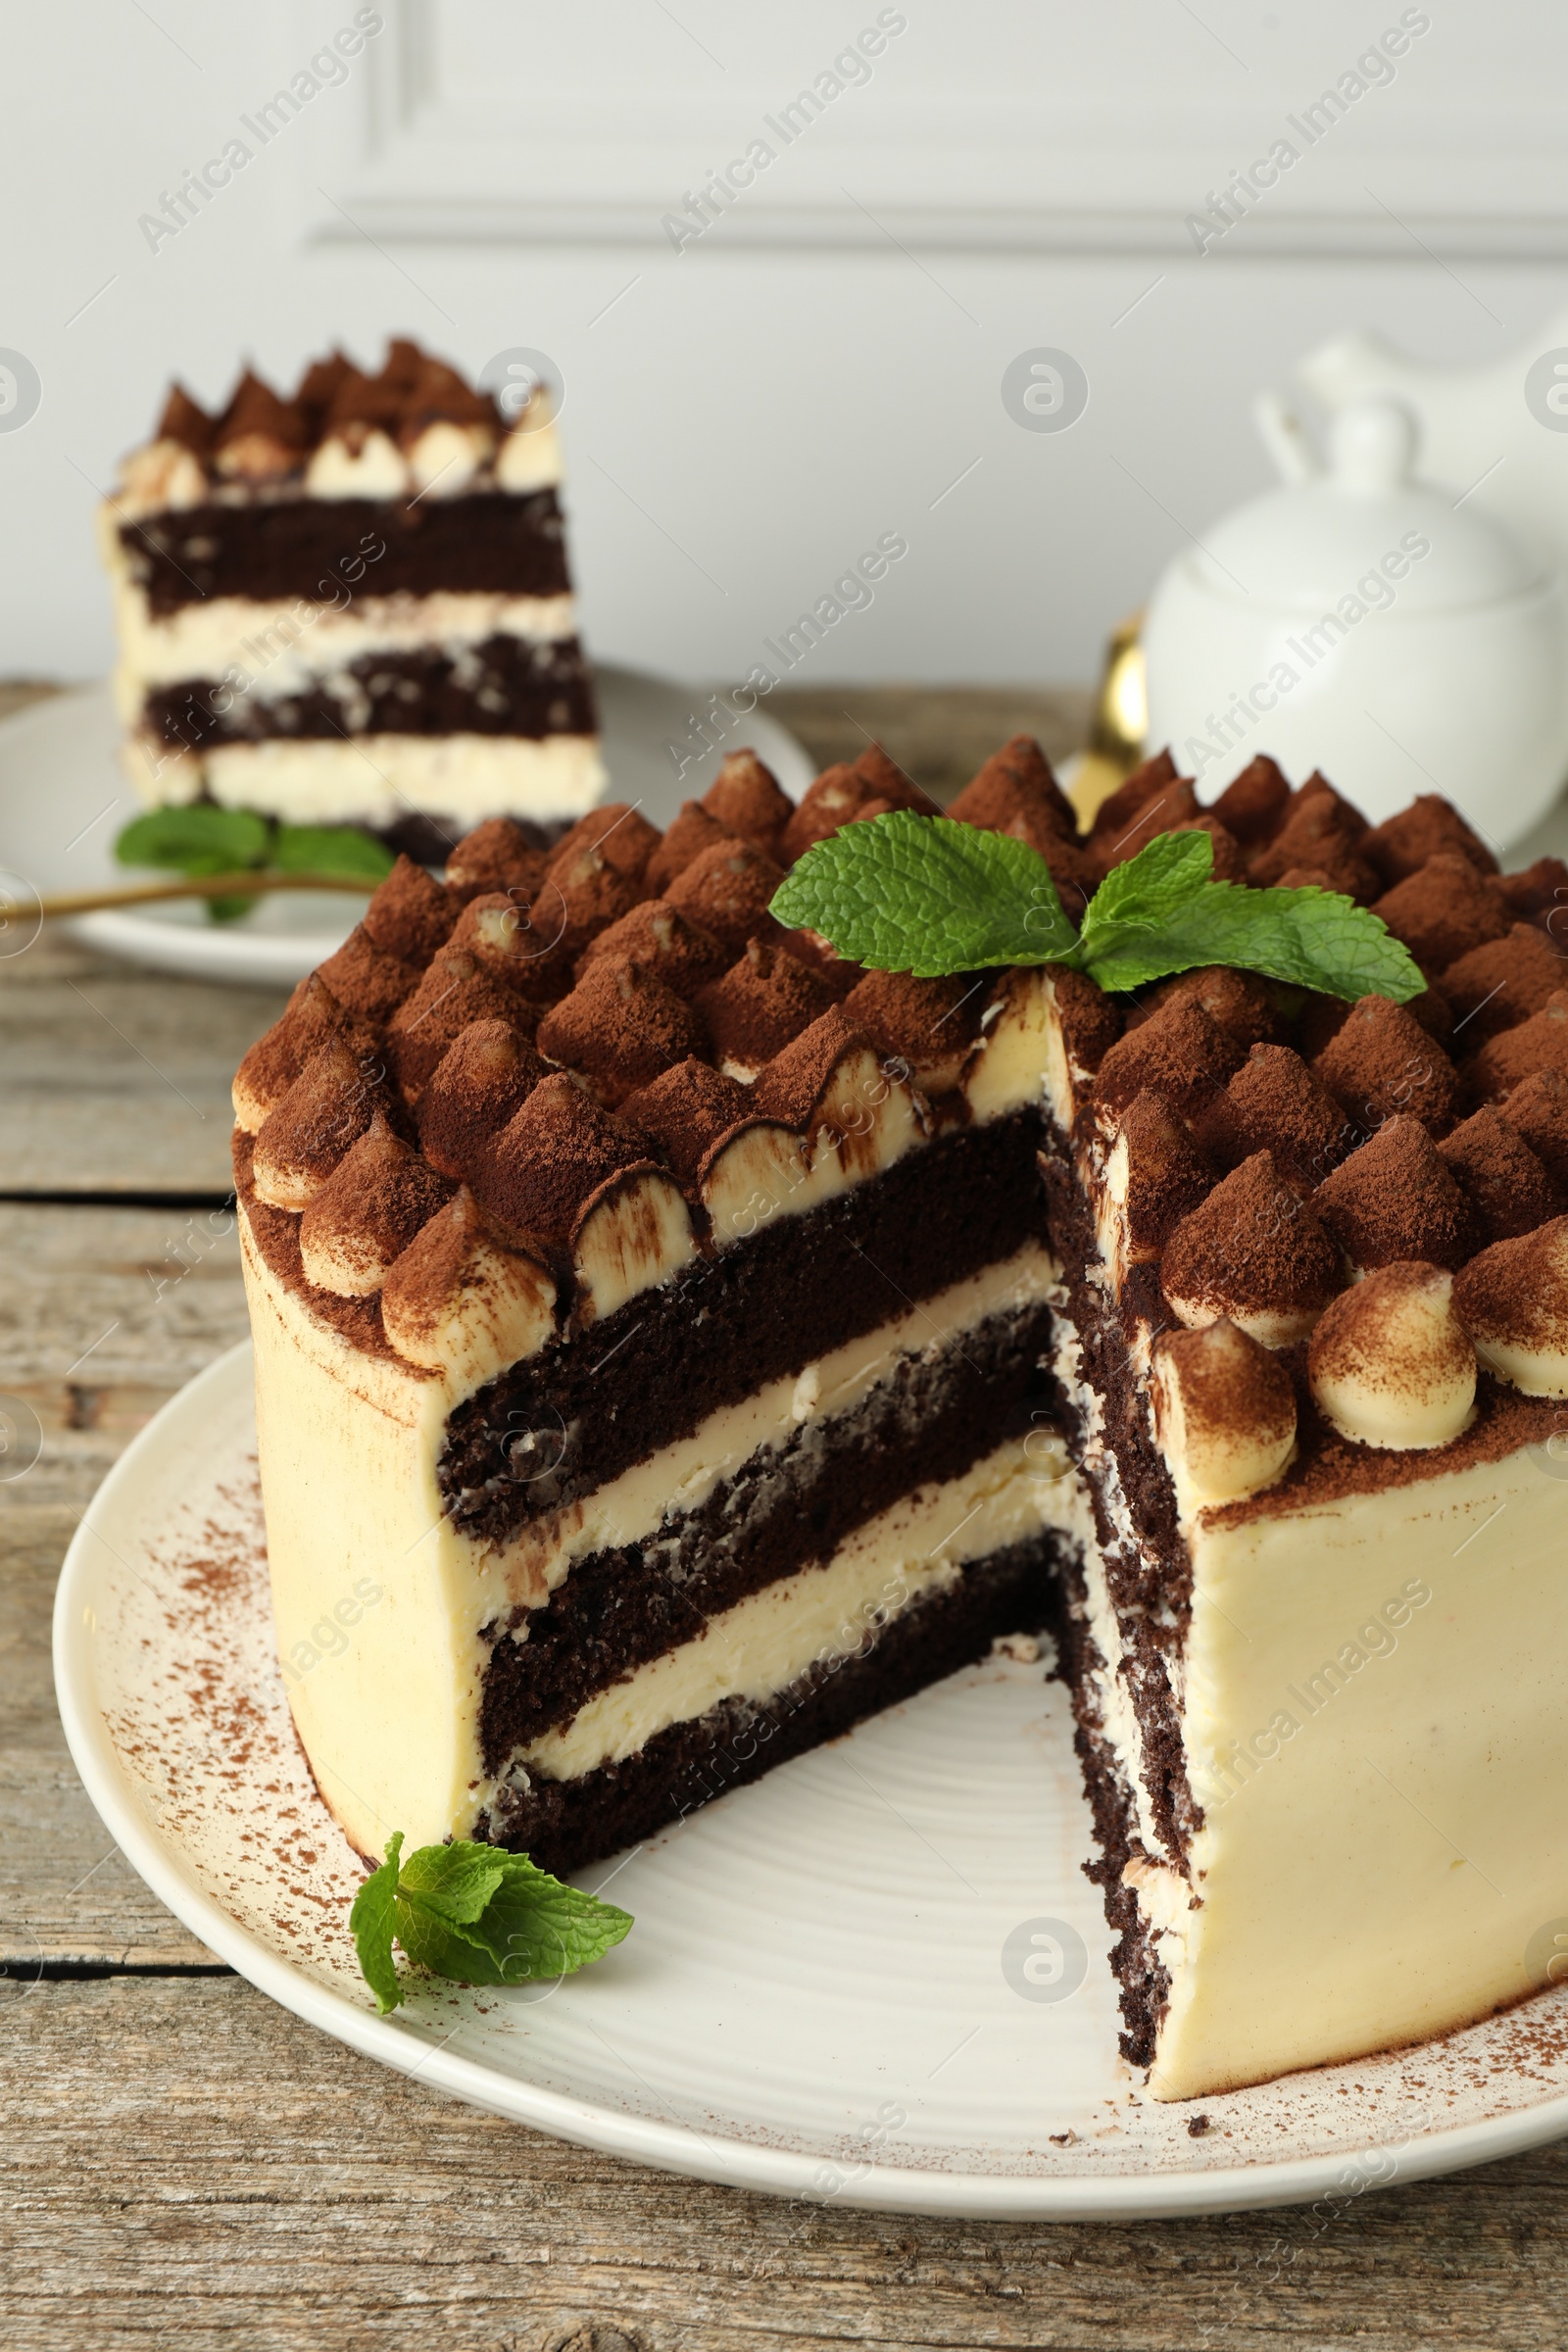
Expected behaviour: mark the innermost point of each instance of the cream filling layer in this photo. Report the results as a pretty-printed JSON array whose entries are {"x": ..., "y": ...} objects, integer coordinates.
[
  {"x": 680, "y": 1478},
  {"x": 377, "y": 780},
  {"x": 284, "y": 646},
  {"x": 819, "y": 1616}
]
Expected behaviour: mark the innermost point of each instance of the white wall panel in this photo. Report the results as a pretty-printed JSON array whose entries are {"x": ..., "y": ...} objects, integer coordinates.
[{"x": 823, "y": 364}]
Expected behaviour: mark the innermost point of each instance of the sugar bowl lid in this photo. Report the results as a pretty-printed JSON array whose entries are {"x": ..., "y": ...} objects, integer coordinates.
[{"x": 1302, "y": 547}]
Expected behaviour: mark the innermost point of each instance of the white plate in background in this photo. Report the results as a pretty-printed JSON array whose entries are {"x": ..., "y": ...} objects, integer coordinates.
[
  {"x": 64, "y": 800},
  {"x": 815, "y": 1999}
]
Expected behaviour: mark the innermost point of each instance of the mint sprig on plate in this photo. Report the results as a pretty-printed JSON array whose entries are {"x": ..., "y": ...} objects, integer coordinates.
[
  {"x": 476, "y": 1914},
  {"x": 928, "y": 896},
  {"x": 201, "y": 838}
]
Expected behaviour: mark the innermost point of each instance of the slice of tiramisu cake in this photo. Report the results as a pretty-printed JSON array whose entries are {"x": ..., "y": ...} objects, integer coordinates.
[
  {"x": 817, "y": 1242},
  {"x": 352, "y": 606}
]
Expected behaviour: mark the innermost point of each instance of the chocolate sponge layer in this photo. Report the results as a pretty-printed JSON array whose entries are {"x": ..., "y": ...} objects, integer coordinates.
[
  {"x": 270, "y": 549},
  {"x": 653, "y": 1372},
  {"x": 562, "y": 1825},
  {"x": 500, "y": 686},
  {"x": 789, "y": 1507}
]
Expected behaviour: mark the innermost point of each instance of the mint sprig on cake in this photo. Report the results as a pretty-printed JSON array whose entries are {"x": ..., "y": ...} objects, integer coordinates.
[{"x": 931, "y": 897}]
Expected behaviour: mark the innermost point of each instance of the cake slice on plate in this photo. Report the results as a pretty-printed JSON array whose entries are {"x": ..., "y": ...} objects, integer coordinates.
[
  {"x": 695, "y": 1341},
  {"x": 353, "y": 606}
]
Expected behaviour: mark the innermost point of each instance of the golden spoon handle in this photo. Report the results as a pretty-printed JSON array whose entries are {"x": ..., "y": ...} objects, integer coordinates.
[{"x": 184, "y": 886}]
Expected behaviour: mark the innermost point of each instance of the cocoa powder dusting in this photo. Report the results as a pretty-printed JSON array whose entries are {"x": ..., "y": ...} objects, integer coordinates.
[
  {"x": 1179, "y": 1052},
  {"x": 496, "y": 855},
  {"x": 1495, "y": 987},
  {"x": 1381, "y": 1064},
  {"x": 1274, "y": 1104},
  {"x": 1167, "y": 1175},
  {"x": 1016, "y": 793},
  {"x": 624, "y": 838},
  {"x": 456, "y": 991},
  {"x": 1500, "y": 1177},
  {"x": 1231, "y": 1384},
  {"x": 485, "y": 1075},
  {"x": 727, "y": 891},
  {"x": 409, "y": 915},
  {"x": 685, "y": 1112},
  {"x": 765, "y": 999},
  {"x": 1394, "y": 1199},
  {"x": 540, "y": 1171},
  {"x": 927, "y": 1024},
  {"x": 1506, "y": 1061},
  {"x": 367, "y": 979},
  {"x": 657, "y": 934},
  {"x": 310, "y": 1016},
  {"x": 1254, "y": 805},
  {"x": 620, "y": 1027},
  {"x": 1537, "y": 1111},
  {"x": 746, "y": 800},
  {"x": 792, "y": 1084},
  {"x": 1509, "y": 1288},
  {"x": 1401, "y": 845},
  {"x": 1443, "y": 911},
  {"x": 830, "y": 802},
  {"x": 370, "y": 1209},
  {"x": 692, "y": 831},
  {"x": 1236, "y": 1002},
  {"x": 1251, "y": 1247}
]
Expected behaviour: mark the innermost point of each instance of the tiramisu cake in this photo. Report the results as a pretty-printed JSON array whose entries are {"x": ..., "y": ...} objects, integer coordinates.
[
  {"x": 699, "y": 1342},
  {"x": 352, "y": 606}
]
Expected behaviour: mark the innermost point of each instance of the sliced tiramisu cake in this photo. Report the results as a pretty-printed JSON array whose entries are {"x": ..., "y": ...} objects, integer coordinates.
[
  {"x": 700, "y": 1339},
  {"x": 352, "y": 606}
]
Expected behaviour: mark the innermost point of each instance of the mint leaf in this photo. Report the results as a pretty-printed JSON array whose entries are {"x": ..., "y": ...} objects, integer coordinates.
[
  {"x": 453, "y": 1882},
  {"x": 477, "y": 1915},
  {"x": 332, "y": 850},
  {"x": 370, "y": 1922},
  {"x": 1151, "y": 887},
  {"x": 534, "y": 1926},
  {"x": 199, "y": 838},
  {"x": 926, "y": 895},
  {"x": 1312, "y": 938}
]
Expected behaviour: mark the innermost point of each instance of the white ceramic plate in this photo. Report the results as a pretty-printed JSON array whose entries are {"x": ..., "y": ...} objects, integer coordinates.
[
  {"x": 813, "y": 2000},
  {"x": 63, "y": 800}
]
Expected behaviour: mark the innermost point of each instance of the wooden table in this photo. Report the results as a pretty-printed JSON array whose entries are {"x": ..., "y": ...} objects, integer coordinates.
[{"x": 189, "y": 2165}]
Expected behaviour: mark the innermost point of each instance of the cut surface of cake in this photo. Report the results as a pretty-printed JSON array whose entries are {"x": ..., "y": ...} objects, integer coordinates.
[
  {"x": 353, "y": 606},
  {"x": 702, "y": 1342}
]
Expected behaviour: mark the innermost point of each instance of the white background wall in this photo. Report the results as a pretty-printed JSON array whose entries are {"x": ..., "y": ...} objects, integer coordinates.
[{"x": 825, "y": 363}]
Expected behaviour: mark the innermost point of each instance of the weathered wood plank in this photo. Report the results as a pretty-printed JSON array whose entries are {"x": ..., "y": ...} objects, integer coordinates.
[
  {"x": 188, "y": 2165},
  {"x": 117, "y": 1080},
  {"x": 104, "y": 1313}
]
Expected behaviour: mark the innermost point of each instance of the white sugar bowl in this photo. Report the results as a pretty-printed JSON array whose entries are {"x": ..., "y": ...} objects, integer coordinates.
[{"x": 1361, "y": 623}]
